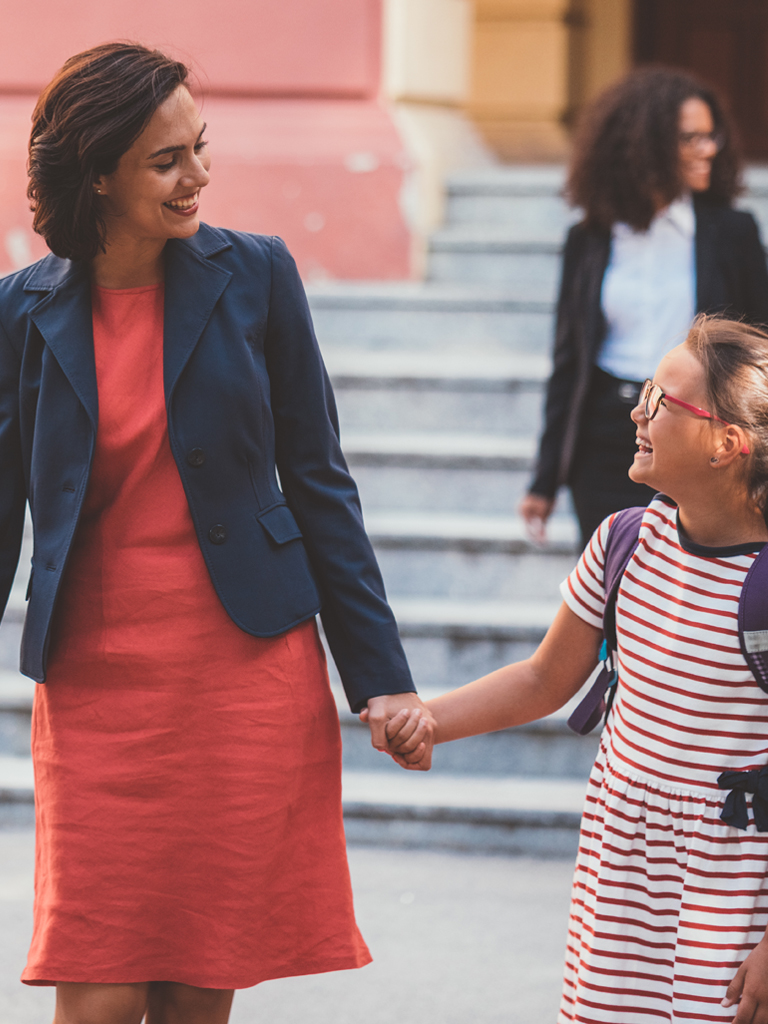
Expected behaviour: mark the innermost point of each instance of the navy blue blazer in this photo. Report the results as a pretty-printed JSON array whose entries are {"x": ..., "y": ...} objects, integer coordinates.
[{"x": 248, "y": 398}]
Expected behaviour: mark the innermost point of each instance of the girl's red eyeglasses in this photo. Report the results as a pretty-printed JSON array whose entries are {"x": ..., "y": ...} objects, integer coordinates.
[{"x": 651, "y": 396}]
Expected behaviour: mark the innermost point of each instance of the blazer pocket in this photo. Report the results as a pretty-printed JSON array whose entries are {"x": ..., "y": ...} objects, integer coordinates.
[{"x": 279, "y": 524}]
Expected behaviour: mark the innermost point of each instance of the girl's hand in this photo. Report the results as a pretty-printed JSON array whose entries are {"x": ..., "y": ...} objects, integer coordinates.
[{"x": 749, "y": 987}]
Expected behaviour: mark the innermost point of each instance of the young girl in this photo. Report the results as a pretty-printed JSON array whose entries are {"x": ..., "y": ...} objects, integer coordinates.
[{"x": 670, "y": 903}]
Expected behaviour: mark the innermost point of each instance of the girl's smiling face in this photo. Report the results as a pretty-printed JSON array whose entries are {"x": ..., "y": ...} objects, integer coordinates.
[
  {"x": 154, "y": 193},
  {"x": 676, "y": 447}
]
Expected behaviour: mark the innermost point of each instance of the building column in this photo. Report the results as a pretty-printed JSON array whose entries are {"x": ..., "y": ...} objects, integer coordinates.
[
  {"x": 601, "y": 47},
  {"x": 519, "y": 93},
  {"x": 425, "y": 82},
  {"x": 535, "y": 63}
]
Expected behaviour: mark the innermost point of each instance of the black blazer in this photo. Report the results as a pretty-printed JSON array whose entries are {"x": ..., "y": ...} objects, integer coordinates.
[
  {"x": 247, "y": 394},
  {"x": 731, "y": 278}
]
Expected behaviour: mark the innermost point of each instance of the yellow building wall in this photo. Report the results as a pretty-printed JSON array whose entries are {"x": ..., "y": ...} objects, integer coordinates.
[
  {"x": 601, "y": 46},
  {"x": 535, "y": 62}
]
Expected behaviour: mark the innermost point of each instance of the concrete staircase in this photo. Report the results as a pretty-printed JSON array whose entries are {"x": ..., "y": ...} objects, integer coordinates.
[{"x": 439, "y": 387}]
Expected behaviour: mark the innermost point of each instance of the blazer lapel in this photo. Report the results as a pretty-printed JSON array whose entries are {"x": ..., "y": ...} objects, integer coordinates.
[
  {"x": 193, "y": 286},
  {"x": 593, "y": 266},
  {"x": 65, "y": 320}
]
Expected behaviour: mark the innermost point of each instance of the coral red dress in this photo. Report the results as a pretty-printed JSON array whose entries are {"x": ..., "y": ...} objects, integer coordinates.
[{"x": 188, "y": 775}]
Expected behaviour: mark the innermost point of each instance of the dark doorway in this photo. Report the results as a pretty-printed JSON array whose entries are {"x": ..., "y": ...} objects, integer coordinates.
[{"x": 724, "y": 42}]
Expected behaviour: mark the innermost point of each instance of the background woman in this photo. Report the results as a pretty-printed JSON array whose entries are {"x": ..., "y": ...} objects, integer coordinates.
[
  {"x": 155, "y": 375},
  {"x": 655, "y": 171}
]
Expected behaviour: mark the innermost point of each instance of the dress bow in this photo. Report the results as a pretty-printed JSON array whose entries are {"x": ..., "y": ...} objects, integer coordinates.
[{"x": 740, "y": 783}]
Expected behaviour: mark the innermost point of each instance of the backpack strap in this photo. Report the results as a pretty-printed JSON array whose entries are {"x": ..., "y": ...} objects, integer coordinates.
[
  {"x": 753, "y": 638},
  {"x": 621, "y": 544},
  {"x": 753, "y": 619},
  {"x": 623, "y": 538}
]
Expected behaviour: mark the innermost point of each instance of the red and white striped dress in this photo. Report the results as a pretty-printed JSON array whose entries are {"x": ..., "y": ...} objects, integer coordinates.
[{"x": 667, "y": 899}]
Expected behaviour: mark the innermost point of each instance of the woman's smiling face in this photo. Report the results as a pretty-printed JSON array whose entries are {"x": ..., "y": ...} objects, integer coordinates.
[{"x": 154, "y": 193}]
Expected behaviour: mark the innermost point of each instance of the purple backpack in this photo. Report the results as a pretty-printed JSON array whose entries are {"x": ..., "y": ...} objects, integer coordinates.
[{"x": 623, "y": 538}]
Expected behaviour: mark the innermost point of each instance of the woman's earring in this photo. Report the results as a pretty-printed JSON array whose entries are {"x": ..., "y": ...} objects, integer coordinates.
[
  {"x": 714, "y": 459},
  {"x": 98, "y": 190}
]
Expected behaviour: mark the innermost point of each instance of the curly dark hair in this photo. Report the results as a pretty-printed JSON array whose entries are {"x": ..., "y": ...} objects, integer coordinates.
[
  {"x": 90, "y": 114},
  {"x": 626, "y": 149}
]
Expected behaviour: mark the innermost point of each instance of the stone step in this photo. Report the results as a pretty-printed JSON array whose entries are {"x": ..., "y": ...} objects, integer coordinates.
[
  {"x": 416, "y": 391},
  {"x": 520, "y": 815},
  {"x": 755, "y": 199},
  {"x": 445, "y": 531},
  {"x": 449, "y": 471},
  {"x": 544, "y": 748},
  {"x": 493, "y": 256},
  {"x": 537, "y": 817},
  {"x": 433, "y": 450},
  {"x": 473, "y": 619},
  {"x": 419, "y": 574},
  {"x": 16, "y": 692},
  {"x": 467, "y": 370},
  {"x": 483, "y": 799},
  {"x": 526, "y": 199},
  {"x": 527, "y": 751},
  {"x": 401, "y": 794},
  {"x": 16, "y": 779},
  {"x": 367, "y": 410},
  {"x": 414, "y": 533},
  {"x": 470, "y": 557},
  {"x": 427, "y": 483},
  {"x": 508, "y": 180},
  {"x": 431, "y": 317}
]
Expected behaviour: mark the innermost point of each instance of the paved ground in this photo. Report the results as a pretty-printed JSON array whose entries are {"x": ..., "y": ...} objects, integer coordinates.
[{"x": 456, "y": 940}]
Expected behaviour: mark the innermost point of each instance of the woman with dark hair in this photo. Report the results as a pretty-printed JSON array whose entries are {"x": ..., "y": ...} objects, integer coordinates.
[
  {"x": 655, "y": 171},
  {"x": 155, "y": 377}
]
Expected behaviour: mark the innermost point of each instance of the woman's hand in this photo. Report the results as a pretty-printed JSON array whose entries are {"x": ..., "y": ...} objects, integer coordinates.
[
  {"x": 749, "y": 987},
  {"x": 414, "y": 751},
  {"x": 536, "y": 510},
  {"x": 407, "y": 733}
]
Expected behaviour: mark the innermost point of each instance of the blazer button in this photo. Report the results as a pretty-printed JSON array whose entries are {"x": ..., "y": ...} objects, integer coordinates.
[
  {"x": 217, "y": 534},
  {"x": 196, "y": 457}
]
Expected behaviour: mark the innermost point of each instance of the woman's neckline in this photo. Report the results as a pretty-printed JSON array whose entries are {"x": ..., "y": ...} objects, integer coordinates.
[{"x": 128, "y": 291}]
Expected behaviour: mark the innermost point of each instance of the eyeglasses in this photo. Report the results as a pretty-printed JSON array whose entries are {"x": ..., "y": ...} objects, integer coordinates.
[
  {"x": 651, "y": 396},
  {"x": 695, "y": 140}
]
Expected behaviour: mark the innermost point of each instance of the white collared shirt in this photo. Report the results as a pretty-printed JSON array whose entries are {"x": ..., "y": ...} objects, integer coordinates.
[{"x": 649, "y": 292}]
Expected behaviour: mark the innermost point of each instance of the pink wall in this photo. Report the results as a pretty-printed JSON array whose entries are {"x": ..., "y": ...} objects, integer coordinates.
[
  {"x": 301, "y": 144},
  {"x": 249, "y": 47}
]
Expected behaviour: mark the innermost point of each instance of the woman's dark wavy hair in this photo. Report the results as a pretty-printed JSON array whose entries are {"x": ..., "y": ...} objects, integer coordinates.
[
  {"x": 625, "y": 154},
  {"x": 85, "y": 120}
]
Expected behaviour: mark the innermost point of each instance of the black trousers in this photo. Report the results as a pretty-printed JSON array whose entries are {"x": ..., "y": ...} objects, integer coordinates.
[{"x": 604, "y": 452}]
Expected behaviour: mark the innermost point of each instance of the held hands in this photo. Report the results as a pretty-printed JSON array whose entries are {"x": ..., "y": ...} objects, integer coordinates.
[
  {"x": 402, "y": 726},
  {"x": 749, "y": 987}
]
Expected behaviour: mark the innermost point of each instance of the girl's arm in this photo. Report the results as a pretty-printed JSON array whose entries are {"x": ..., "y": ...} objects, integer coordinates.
[{"x": 511, "y": 695}]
